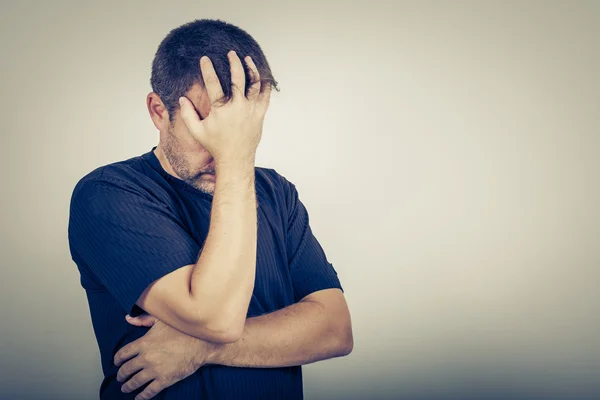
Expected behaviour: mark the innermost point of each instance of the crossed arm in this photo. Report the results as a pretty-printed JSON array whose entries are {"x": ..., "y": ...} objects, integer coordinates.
[
  {"x": 318, "y": 327},
  {"x": 315, "y": 328}
]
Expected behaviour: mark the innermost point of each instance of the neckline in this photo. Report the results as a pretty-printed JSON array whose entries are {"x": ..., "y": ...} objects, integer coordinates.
[{"x": 154, "y": 162}]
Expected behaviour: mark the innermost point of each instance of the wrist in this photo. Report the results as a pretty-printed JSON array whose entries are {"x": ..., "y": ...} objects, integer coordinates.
[
  {"x": 210, "y": 353},
  {"x": 235, "y": 163}
]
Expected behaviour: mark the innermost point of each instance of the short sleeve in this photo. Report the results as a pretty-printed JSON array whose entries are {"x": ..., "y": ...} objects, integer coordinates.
[
  {"x": 309, "y": 267},
  {"x": 126, "y": 238}
]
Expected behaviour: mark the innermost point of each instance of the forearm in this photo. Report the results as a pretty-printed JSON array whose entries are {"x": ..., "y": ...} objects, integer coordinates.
[
  {"x": 298, "y": 334},
  {"x": 223, "y": 278}
]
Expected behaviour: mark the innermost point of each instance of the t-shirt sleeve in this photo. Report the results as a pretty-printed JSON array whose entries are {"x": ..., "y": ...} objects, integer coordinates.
[
  {"x": 127, "y": 238},
  {"x": 309, "y": 267}
]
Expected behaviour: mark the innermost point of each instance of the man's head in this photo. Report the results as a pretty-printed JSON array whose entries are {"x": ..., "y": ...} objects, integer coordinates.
[{"x": 176, "y": 72}]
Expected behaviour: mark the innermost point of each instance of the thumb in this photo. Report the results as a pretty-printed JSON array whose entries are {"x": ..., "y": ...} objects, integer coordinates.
[{"x": 146, "y": 320}]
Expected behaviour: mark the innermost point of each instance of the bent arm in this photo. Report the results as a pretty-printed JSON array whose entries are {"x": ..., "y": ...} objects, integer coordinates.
[
  {"x": 209, "y": 299},
  {"x": 316, "y": 328}
]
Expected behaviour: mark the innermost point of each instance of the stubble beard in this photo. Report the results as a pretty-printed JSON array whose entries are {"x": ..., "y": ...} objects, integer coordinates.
[{"x": 182, "y": 168}]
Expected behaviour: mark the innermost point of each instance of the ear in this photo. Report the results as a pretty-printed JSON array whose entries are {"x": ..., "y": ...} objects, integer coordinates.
[{"x": 146, "y": 320}]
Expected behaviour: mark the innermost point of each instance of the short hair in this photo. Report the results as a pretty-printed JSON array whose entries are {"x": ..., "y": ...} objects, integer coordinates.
[{"x": 176, "y": 64}]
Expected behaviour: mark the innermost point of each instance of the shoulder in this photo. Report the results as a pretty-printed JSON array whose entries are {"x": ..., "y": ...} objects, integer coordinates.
[
  {"x": 274, "y": 179},
  {"x": 118, "y": 180},
  {"x": 280, "y": 192},
  {"x": 274, "y": 183}
]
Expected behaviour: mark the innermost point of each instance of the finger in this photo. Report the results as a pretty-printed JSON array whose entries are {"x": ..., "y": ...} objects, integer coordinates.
[
  {"x": 151, "y": 390},
  {"x": 265, "y": 97},
  {"x": 211, "y": 80},
  {"x": 238, "y": 78},
  {"x": 129, "y": 368},
  {"x": 137, "y": 321},
  {"x": 127, "y": 352},
  {"x": 190, "y": 117},
  {"x": 138, "y": 380},
  {"x": 146, "y": 320},
  {"x": 254, "y": 89}
]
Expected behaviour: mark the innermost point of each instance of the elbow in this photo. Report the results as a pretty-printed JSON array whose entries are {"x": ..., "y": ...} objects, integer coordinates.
[
  {"x": 345, "y": 347},
  {"x": 216, "y": 333},
  {"x": 229, "y": 326},
  {"x": 228, "y": 334},
  {"x": 345, "y": 342},
  {"x": 218, "y": 329}
]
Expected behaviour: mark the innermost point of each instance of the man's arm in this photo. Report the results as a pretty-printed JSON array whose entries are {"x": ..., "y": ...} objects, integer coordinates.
[
  {"x": 142, "y": 254},
  {"x": 210, "y": 298},
  {"x": 316, "y": 328},
  {"x": 140, "y": 250}
]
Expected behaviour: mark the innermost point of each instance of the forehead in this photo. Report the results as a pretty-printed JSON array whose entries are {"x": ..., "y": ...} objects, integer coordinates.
[{"x": 200, "y": 99}]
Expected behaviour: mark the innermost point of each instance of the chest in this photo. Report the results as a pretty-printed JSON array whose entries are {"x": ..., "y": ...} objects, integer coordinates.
[{"x": 273, "y": 287}]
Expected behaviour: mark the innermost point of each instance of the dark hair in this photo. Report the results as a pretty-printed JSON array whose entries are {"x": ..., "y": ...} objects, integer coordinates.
[{"x": 176, "y": 65}]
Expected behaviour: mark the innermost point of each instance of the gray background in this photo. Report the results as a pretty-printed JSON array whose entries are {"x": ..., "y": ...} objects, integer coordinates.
[{"x": 447, "y": 153}]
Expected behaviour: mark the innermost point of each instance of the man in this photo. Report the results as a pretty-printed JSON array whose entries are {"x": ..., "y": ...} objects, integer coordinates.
[{"x": 215, "y": 255}]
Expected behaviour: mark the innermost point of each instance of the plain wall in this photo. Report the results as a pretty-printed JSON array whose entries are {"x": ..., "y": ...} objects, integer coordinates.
[{"x": 447, "y": 153}]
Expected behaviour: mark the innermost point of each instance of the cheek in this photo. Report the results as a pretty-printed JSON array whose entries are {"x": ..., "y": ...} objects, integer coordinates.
[
  {"x": 193, "y": 147},
  {"x": 199, "y": 149},
  {"x": 187, "y": 142},
  {"x": 185, "y": 139}
]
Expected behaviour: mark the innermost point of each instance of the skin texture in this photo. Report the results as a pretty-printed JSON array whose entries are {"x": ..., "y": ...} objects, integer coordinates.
[
  {"x": 209, "y": 299},
  {"x": 179, "y": 153},
  {"x": 316, "y": 328},
  {"x": 190, "y": 144}
]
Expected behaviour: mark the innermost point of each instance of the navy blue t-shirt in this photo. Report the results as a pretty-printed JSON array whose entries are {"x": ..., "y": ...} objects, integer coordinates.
[{"x": 131, "y": 223}]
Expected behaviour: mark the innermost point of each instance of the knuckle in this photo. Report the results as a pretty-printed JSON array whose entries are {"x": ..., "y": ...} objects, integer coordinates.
[
  {"x": 151, "y": 393},
  {"x": 134, "y": 383},
  {"x": 158, "y": 386},
  {"x": 211, "y": 79},
  {"x": 126, "y": 388},
  {"x": 120, "y": 356},
  {"x": 151, "y": 358},
  {"x": 148, "y": 393},
  {"x": 153, "y": 372},
  {"x": 143, "y": 396},
  {"x": 120, "y": 375}
]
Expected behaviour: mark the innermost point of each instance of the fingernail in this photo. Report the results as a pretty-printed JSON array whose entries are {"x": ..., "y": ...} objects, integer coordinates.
[{"x": 181, "y": 101}]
